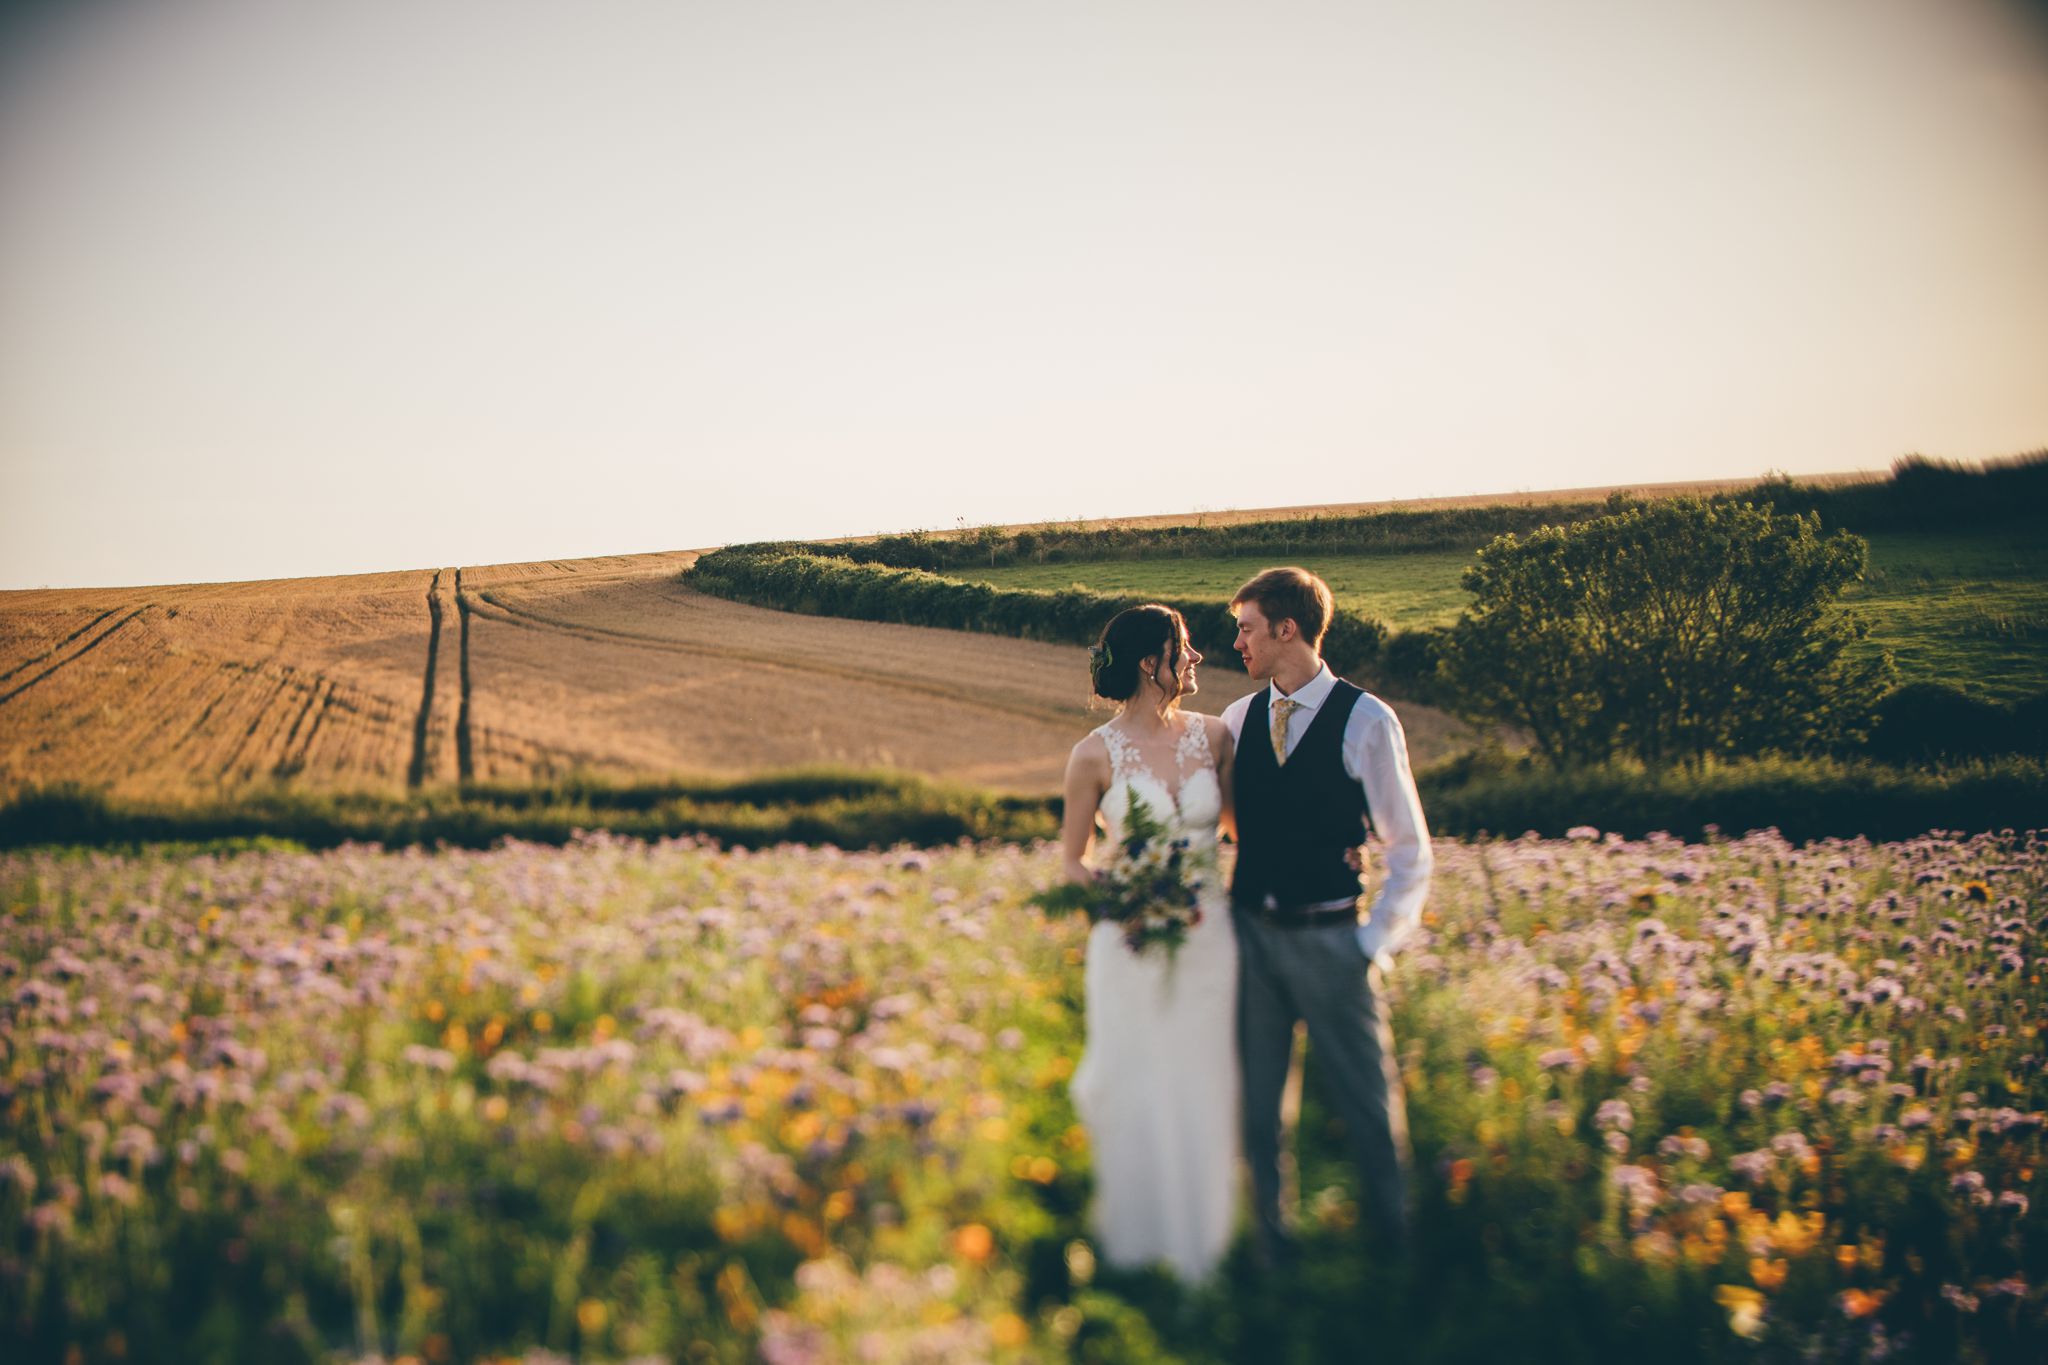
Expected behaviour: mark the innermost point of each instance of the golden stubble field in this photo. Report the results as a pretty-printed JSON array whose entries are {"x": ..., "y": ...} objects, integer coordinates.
[
  {"x": 515, "y": 671},
  {"x": 518, "y": 671}
]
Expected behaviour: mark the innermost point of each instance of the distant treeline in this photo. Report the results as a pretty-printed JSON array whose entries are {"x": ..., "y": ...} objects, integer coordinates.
[
  {"x": 1479, "y": 794},
  {"x": 1920, "y": 495}
]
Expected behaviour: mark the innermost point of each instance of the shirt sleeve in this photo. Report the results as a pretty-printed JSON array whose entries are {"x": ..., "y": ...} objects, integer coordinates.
[{"x": 1376, "y": 753}]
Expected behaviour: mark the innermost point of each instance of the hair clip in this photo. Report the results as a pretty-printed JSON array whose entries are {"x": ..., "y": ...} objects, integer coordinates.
[{"x": 1099, "y": 658}]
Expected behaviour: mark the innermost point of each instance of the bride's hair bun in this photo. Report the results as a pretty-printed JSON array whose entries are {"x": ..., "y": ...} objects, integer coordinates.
[{"x": 1131, "y": 637}]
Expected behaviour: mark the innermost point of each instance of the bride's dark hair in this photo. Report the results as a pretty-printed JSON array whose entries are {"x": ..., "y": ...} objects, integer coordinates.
[{"x": 1131, "y": 637}]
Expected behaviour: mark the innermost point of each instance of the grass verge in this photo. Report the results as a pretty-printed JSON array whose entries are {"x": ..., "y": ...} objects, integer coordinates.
[
  {"x": 809, "y": 806},
  {"x": 1479, "y": 794}
]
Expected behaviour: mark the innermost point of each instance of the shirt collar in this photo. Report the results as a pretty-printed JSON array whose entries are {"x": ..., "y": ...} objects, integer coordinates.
[{"x": 1310, "y": 694}]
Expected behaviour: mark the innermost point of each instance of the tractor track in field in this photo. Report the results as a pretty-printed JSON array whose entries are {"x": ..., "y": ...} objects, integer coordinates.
[
  {"x": 320, "y": 719},
  {"x": 330, "y": 693},
  {"x": 80, "y": 653},
  {"x": 533, "y": 620},
  {"x": 292, "y": 757},
  {"x": 465, "y": 754},
  {"x": 27, "y": 664},
  {"x": 284, "y": 685},
  {"x": 416, "y": 771}
]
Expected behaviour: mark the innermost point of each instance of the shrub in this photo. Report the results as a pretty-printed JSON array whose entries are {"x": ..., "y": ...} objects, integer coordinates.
[
  {"x": 1666, "y": 632},
  {"x": 1936, "y": 720}
]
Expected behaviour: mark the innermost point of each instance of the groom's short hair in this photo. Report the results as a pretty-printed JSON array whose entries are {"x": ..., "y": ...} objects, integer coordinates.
[{"x": 1291, "y": 594}]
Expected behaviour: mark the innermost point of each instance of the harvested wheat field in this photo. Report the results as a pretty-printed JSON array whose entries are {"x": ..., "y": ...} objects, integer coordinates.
[{"x": 518, "y": 671}]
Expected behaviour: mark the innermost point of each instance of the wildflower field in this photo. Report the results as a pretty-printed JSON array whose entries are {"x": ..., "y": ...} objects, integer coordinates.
[{"x": 633, "y": 1101}]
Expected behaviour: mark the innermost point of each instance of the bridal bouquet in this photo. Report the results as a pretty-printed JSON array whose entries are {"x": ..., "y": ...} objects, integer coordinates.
[{"x": 1151, "y": 887}]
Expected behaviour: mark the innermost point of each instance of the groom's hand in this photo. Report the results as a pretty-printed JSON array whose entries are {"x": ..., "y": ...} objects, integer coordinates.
[{"x": 1354, "y": 858}]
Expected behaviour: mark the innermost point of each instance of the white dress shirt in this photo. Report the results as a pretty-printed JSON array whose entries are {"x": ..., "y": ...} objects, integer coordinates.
[{"x": 1375, "y": 756}]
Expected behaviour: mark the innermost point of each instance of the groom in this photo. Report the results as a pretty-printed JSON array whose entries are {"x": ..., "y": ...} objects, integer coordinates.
[{"x": 1315, "y": 757}]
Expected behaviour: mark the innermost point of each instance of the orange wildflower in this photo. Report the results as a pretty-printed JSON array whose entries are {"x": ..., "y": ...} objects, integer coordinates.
[{"x": 974, "y": 1242}]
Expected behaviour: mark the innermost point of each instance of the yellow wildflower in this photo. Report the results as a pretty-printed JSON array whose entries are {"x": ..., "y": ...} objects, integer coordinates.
[{"x": 1745, "y": 1309}]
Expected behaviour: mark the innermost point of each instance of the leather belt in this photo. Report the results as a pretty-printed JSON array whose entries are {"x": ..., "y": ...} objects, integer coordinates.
[{"x": 1300, "y": 916}]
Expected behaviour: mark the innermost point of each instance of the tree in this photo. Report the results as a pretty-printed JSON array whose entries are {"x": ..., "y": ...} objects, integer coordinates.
[{"x": 1666, "y": 632}]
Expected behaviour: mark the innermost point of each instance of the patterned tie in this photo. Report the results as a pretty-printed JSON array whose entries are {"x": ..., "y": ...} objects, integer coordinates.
[{"x": 1283, "y": 707}]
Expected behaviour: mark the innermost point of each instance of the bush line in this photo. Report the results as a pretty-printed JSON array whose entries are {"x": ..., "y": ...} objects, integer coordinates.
[
  {"x": 793, "y": 578},
  {"x": 809, "y": 806},
  {"x": 1803, "y": 799},
  {"x": 1919, "y": 495}
]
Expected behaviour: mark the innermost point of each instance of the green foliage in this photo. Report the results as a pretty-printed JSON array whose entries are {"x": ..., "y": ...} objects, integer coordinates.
[
  {"x": 1150, "y": 888},
  {"x": 1965, "y": 606},
  {"x": 1925, "y": 721},
  {"x": 814, "y": 806},
  {"x": 1666, "y": 632},
  {"x": 1814, "y": 798},
  {"x": 1405, "y": 588},
  {"x": 1921, "y": 495},
  {"x": 1956, "y": 586},
  {"x": 1485, "y": 791},
  {"x": 796, "y": 578}
]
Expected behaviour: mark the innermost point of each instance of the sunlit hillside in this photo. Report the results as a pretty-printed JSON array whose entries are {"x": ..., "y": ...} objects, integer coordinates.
[
  {"x": 609, "y": 666},
  {"x": 502, "y": 673}
]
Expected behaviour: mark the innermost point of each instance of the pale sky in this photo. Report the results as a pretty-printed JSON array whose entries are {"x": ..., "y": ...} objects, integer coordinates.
[{"x": 298, "y": 288}]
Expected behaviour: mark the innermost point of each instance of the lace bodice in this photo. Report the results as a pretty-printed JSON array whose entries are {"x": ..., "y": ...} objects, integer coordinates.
[{"x": 1189, "y": 801}]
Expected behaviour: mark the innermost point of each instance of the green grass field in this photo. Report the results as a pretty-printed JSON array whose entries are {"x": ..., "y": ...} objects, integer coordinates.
[
  {"x": 1417, "y": 588},
  {"x": 1964, "y": 609},
  {"x": 1968, "y": 610}
]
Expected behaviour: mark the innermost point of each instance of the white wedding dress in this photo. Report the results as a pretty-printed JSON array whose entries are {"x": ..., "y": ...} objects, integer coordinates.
[{"x": 1157, "y": 1086}]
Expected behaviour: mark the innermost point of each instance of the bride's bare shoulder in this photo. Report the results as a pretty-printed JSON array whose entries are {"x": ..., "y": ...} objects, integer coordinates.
[
  {"x": 1090, "y": 748},
  {"x": 1217, "y": 731}
]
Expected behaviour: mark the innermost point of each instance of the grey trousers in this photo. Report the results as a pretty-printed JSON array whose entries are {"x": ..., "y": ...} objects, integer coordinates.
[{"x": 1319, "y": 975}]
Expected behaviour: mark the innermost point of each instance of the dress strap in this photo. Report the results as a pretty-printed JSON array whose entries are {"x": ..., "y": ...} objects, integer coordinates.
[
  {"x": 1124, "y": 758},
  {"x": 1192, "y": 753}
]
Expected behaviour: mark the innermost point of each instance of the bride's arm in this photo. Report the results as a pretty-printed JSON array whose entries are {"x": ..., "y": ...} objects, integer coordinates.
[
  {"x": 1087, "y": 779},
  {"x": 1225, "y": 749}
]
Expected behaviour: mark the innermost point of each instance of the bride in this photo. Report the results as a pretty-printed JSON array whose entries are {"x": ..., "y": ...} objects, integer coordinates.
[{"x": 1157, "y": 1085}]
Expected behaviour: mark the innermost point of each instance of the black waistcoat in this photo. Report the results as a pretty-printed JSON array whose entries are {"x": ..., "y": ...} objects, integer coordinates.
[{"x": 1295, "y": 823}]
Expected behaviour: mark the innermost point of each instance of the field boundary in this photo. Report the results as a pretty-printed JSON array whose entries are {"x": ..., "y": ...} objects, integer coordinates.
[
  {"x": 1918, "y": 494},
  {"x": 793, "y": 579},
  {"x": 1804, "y": 800}
]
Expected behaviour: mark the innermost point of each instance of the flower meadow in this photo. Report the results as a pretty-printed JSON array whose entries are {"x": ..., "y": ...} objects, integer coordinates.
[{"x": 632, "y": 1101}]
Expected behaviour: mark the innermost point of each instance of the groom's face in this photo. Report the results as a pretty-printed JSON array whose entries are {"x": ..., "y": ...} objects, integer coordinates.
[{"x": 1258, "y": 644}]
